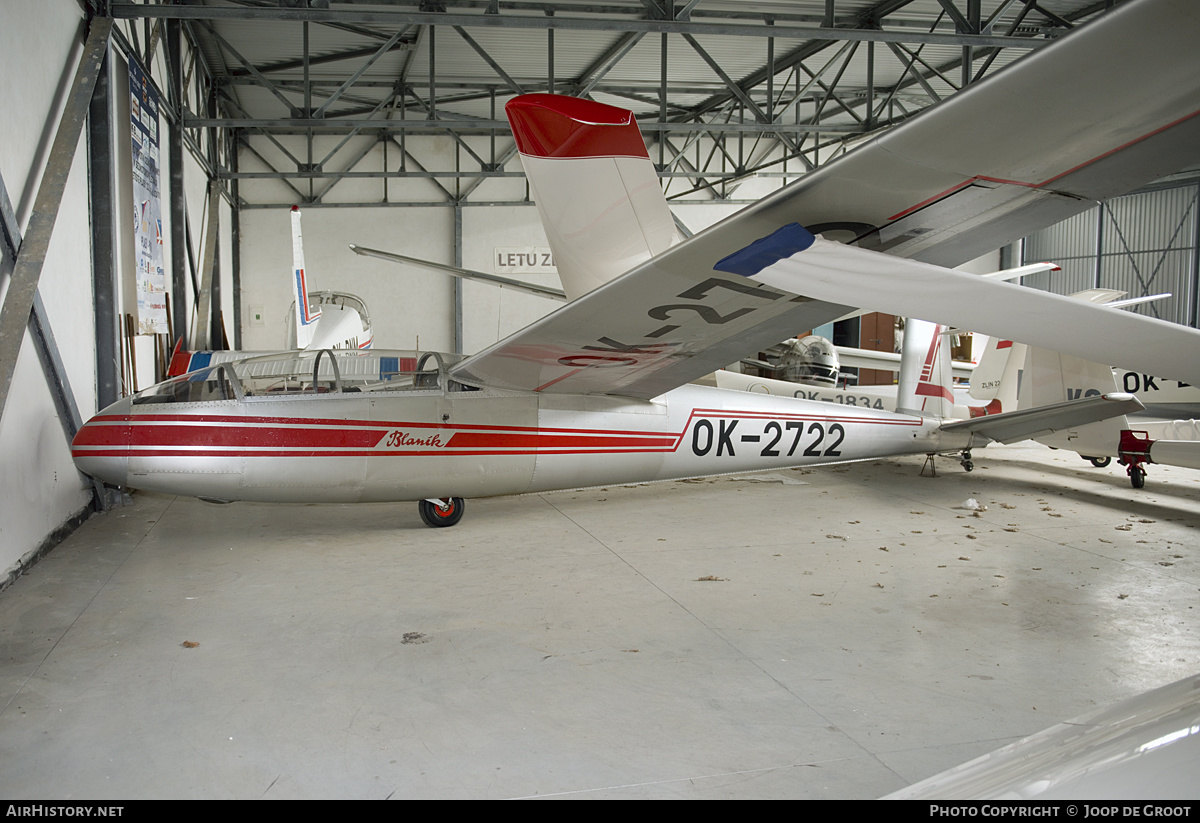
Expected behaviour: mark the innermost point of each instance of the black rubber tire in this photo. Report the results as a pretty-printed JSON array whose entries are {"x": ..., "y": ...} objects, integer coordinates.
[
  {"x": 1137, "y": 476},
  {"x": 1099, "y": 462},
  {"x": 440, "y": 518}
]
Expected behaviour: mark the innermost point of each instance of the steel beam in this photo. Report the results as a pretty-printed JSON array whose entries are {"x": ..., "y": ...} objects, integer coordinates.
[
  {"x": 397, "y": 18},
  {"x": 235, "y": 250},
  {"x": 179, "y": 246},
  {"x": 39, "y": 327},
  {"x": 484, "y": 127},
  {"x": 487, "y": 58},
  {"x": 102, "y": 197},
  {"x": 27, "y": 270},
  {"x": 254, "y": 72},
  {"x": 352, "y": 79},
  {"x": 458, "y": 289}
]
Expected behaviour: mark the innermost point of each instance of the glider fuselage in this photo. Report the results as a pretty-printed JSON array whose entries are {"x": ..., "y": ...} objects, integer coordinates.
[{"x": 418, "y": 443}]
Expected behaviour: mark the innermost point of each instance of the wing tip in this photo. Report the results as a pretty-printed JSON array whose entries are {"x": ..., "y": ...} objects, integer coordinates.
[{"x": 763, "y": 252}]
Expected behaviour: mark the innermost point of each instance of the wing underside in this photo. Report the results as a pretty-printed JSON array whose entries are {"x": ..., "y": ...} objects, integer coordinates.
[
  {"x": 1012, "y": 427},
  {"x": 1005, "y": 157}
]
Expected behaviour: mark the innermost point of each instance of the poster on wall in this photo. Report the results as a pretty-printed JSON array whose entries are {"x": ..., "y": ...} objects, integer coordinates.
[{"x": 147, "y": 210}]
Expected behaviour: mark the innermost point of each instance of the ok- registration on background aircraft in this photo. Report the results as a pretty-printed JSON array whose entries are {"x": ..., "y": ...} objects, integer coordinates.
[{"x": 597, "y": 392}]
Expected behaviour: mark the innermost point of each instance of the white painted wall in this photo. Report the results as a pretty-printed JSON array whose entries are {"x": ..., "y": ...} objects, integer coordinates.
[
  {"x": 410, "y": 307},
  {"x": 39, "y": 486},
  {"x": 490, "y": 313},
  {"x": 40, "y": 43},
  {"x": 403, "y": 303}
]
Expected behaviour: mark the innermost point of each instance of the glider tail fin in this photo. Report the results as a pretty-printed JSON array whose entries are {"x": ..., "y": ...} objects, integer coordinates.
[
  {"x": 997, "y": 379},
  {"x": 1051, "y": 377},
  {"x": 596, "y": 190},
  {"x": 306, "y": 318},
  {"x": 925, "y": 371}
]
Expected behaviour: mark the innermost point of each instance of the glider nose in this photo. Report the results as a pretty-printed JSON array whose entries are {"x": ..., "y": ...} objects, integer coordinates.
[{"x": 101, "y": 446}]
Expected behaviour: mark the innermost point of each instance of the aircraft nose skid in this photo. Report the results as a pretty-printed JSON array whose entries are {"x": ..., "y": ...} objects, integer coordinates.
[{"x": 101, "y": 446}]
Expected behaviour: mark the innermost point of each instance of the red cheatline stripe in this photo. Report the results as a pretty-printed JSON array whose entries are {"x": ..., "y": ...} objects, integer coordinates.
[
  {"x": 189, "y": 437},
  {"x": 282, "y": 439},
  {"x": 542, "y": 442},
  {"x": 376, "y": 425},
  {"x": 209, "y": 435},
  {"x": 149, "y": 452},
  {"x": 890, "y": 420}
]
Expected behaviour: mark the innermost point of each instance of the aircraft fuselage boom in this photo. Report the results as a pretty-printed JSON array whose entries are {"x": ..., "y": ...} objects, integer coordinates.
[{"x": 430, "y": 443}]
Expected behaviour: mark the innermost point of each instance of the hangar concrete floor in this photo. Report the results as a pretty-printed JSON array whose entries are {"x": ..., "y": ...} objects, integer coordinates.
[{"x": 838, "y": 632}]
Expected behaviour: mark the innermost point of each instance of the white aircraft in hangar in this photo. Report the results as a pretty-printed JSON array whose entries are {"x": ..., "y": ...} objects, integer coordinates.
[
  {"x": 597, "y": 392},
  {"x": 319, "y": 319}
]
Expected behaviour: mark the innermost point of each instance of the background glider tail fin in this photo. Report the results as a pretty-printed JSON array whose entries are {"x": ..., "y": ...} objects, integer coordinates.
[
  {"x": 1051, "y": 377},
  {"x": 925, "y": 371},
  {"x": 306, "y": 318},
  {"x": 987, "y": 377},
  {"x": 997, "y": 378},
  {"x": 596, "y": 190}
]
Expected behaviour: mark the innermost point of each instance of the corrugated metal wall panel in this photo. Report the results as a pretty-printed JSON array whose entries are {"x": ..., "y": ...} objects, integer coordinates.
[
  {"x": 1152, "y": 272},
  {"x": 1143, "y": 243},
  {"x": 1154, "y": 220},
  {"x": 1073, "y": 237}
]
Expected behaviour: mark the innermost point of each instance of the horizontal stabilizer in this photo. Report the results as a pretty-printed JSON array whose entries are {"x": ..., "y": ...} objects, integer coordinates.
[
  {"x": 1012, "y": 427},
  {"x": 466, "y": 274},
  {"x": 1021, "y": 271},
  {"x": 1137, "y": 301}
]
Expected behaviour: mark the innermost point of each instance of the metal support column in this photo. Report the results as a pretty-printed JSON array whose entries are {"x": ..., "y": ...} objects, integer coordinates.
[
  {"x": 458, "y": 289},
  {"x": 102, "y": 199},
  {"x": 235, "y": 239},
  {"x": 179, "y": 250},
  {"x": 39, "y": 327}
]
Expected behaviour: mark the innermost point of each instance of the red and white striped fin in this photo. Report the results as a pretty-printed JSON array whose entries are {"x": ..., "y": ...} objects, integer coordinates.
[
  {"x": 926, "y": 377},
  {"x": 596, "y": 190},
  {"x": 306, "y": 318}
]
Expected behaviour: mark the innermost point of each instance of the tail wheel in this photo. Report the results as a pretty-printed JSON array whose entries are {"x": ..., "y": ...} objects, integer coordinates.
[{"x": 444, "y": 512}]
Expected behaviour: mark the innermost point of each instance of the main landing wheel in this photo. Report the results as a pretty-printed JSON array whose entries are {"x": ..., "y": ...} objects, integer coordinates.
[
  {"x": 1137, "y": 476},
  {"x": 1099, "y": 462},
  {"x": 444, "y": 512}
]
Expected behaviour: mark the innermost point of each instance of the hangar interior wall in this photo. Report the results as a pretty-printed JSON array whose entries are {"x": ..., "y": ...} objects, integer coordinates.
[
  {"x": 41, "y": 492},
  {"x": 1143, "y": 243},
  {"x": 39, "y": 488},
  {"x": 410, "y": 307}
]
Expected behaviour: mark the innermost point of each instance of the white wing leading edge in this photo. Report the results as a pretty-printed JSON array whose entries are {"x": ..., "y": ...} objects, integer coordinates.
[
  {"x": 651, "y": 330},
  {"x": 1010, "y": 155}
]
